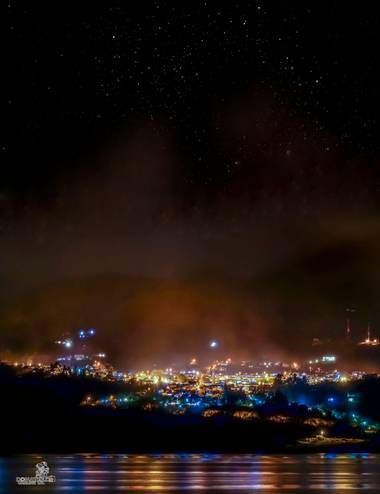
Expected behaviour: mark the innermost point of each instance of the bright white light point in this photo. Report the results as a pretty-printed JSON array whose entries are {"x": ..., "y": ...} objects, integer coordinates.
[{"x": 213, "y": 344}]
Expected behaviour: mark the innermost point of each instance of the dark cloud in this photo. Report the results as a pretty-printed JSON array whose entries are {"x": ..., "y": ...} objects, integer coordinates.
[{"x": 160, "y": 272}]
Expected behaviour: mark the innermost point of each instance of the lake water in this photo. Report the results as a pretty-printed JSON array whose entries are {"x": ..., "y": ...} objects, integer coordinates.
[{"x": 212, "y": 473}]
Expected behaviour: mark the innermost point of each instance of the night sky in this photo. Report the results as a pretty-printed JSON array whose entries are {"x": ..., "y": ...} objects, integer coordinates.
[{"x": 175, "y": 172}]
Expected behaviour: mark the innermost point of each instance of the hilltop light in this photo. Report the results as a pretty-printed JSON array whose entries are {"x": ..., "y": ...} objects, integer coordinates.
[{"x": 213, "y": 344}]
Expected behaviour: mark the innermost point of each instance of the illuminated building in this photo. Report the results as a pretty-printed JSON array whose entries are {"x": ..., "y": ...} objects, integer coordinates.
[
  {"x": 368, "y": 341},
  {"x": 325, "y": 359},
  {"x": 79, "y": 354}
]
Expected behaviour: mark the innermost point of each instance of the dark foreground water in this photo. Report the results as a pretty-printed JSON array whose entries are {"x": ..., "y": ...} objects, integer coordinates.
[{"x": 278, "y": 474}]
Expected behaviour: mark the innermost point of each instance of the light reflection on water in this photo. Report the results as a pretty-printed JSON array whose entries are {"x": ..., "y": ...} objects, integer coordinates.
[{"x": 206, "y": 473}]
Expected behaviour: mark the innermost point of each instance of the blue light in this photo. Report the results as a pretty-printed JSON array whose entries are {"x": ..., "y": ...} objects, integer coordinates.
[
  {"x": 91, "y": 331},
  {"x": 213, "y": 344},
  {"x": 331, "y": 399}
]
